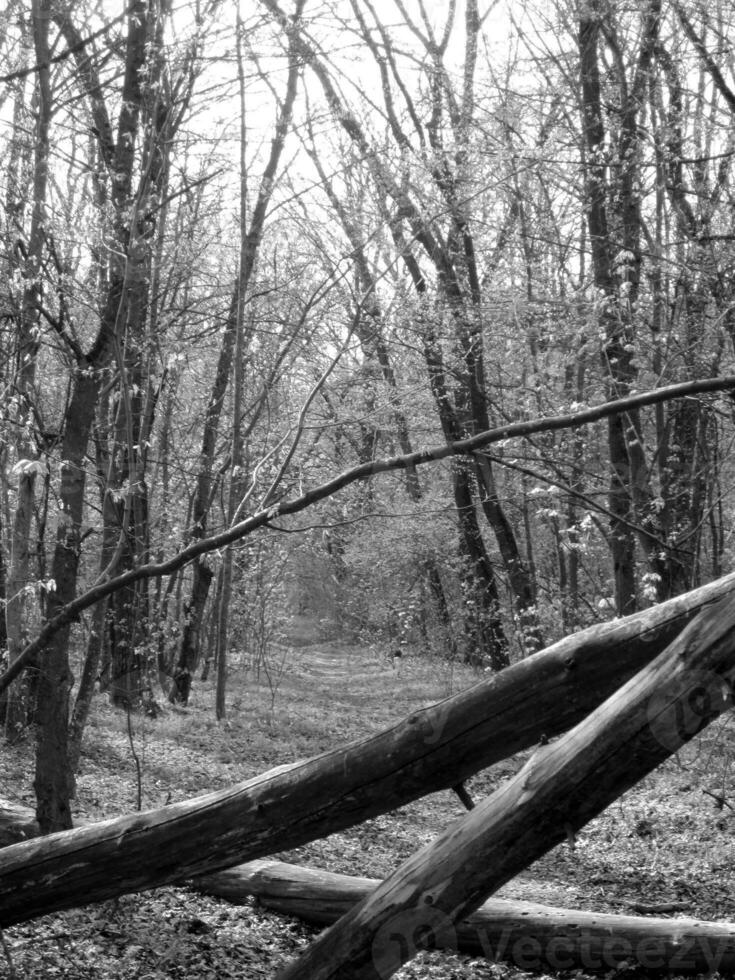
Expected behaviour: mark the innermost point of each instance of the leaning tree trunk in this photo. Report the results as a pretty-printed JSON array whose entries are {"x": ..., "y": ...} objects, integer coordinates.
[
  {"x": 561, "y": 788},
  {"x": 432, "y": 749}
]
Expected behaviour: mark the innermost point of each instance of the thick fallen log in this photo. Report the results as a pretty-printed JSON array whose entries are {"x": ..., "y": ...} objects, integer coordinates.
[
  {"x": 559, "y": 790},
  {"x": 432, "y": 749},
  {"x": 531, "y": 936}
]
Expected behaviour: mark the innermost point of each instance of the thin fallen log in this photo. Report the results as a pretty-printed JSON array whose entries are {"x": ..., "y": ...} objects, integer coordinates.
[
  {"x": 430, "y": 750},
  {"x": 17, "y": 823},
  {"x": 531, "y": 936},
  {"x": 559, "y": 790}
]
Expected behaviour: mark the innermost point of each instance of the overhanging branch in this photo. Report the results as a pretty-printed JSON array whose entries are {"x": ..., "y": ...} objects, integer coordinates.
[{"x": 462, "y": 447}]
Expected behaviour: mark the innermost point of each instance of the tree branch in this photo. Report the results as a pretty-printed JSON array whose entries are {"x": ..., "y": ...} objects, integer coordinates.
[
  {"x": 709, "y": 62},
  {"x": 464, "y": 447},
  {"x": 67, "y": 52}
]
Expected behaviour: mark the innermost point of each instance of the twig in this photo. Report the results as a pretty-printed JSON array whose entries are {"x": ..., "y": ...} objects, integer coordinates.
[
  {"x": 467, "y": 801},
  {"x": 719, "y": 800}
]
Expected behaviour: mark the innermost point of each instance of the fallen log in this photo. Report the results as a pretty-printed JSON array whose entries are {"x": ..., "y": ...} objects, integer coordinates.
[
  {"x": 430, "y": 750},
  {"x": 17, "y": 823},
  {"x": 559, "y": 790},
  {"x": 531, "y": 936}
]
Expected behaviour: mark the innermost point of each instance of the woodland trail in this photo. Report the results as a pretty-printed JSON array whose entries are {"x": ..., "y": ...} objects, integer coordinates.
[
  {"x": 615, "y": 863},
  {"x": 348, "y": 675}
]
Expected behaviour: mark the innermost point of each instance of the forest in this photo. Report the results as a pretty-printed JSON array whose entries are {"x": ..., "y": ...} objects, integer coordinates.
[{"x": 396, "y": 329}]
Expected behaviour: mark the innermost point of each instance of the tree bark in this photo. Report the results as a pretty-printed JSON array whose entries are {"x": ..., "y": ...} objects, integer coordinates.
[
  {"x": 430, "y": 750},
  {"x": 86, "y": 688},
  {"x": 237, "y": 482},
  {"x": 561, "y": 788},
  {"x": 531, "y": 936}
]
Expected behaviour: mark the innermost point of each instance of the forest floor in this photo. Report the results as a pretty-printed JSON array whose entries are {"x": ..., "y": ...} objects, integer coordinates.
[{"x": 666, "y": 842}]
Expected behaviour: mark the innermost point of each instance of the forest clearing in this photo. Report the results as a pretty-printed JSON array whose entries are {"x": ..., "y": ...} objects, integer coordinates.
[{"x": 665, "y": 848}]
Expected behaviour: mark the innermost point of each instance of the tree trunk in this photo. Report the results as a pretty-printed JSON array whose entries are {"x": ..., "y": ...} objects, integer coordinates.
[
  {"x": 560, "y": 789},
  {"x": 441, "y": 607},
  {"x": 612, "y": 205},
  {"x": 531, "y": 936},
  {"x": 189, "y": 648},
  {"x": 190, "y": 635},
  {"x": 188, "y": 652},
  {"x": 486, "y": 640},
  {"x": 237, "y": 483},
  {"x": 519, "y": 572},
  {"x": 19, "y": 709},
  {"x": 54, "y": 779},
  {"x": 85, "y": 691},
  {"x": 432, "y": 749},
  {"x": 53, "y": 768},
  {"x": 125, "y": 506}
]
